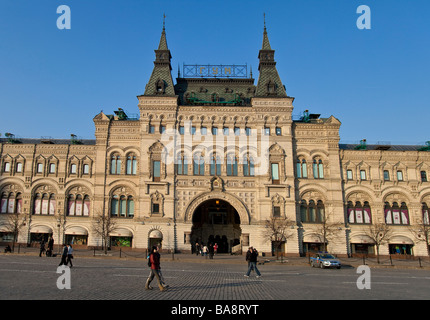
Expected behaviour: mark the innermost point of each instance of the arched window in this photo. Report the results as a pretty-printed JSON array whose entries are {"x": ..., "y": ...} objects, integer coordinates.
[
  {"x": 426, "y": 215},
  {"x": 312, "y": 212},
  {"x": 215, "y": 165},
  {"x": 395, "y": 214},
  {"x": 131, "y": 164},
  {"x": 44, "y": 204},
  {"x": 358, "y": 213},
  {"x": 302, "y": 170},
  {"x": 182, "y": 165},
  {"x": 11, "y": 203},
  {"x": 231, "y": 165},
  {"x": 248, "y": 166},
  {"x": 198, "y": 165},
  {"x": 115, "y": 164},
  {"x": 122, "y": 206},
  {"x": 78, "y": 205},
  {"x": 318, "y": 169}
]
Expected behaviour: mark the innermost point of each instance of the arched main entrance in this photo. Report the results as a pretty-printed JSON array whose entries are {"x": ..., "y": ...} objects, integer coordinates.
[{"x": 216, "y": 221}]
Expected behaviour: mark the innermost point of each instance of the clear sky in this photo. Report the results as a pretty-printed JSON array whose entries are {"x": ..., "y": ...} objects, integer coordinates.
[{"x": 376, "y": 82}]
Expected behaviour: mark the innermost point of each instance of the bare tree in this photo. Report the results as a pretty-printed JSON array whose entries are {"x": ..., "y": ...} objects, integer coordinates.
[
  {"x": 327, "y": 229},
  {"x": 379, "y": 233},
  {"x": 103, "y": 225},
  {"x": 421, "y": 232},
  {"x": 278, "y": 230},
  {"x": 13, "y": 225}
]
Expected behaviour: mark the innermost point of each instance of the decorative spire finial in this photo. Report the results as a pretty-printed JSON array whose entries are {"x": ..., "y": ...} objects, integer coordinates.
[
  {"x": 264, "y": 19},
  {"x": 164, "y": 21}
]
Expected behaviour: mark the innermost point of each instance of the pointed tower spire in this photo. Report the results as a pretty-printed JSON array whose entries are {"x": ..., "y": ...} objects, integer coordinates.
[
  {"x": 269, "y": 82},
  {"x": 161, "y": 82}
]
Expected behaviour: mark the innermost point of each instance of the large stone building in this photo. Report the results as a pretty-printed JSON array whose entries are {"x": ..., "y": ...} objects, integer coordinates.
[{"x": 212, "y": 158}]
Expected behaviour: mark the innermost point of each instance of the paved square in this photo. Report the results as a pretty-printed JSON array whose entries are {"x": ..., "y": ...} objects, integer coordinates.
[{"x": 32, "y": 277}]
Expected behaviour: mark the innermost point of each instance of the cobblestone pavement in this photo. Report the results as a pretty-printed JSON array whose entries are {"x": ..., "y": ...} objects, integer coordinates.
[{"x": 29, "y": 277}]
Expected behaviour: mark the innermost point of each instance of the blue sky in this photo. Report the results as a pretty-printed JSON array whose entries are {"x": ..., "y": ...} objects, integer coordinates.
[{"x": 53, "y": 82}]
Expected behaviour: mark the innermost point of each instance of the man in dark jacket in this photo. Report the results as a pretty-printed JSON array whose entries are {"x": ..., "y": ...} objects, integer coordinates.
[
  {"x": 154, "y": 258},
  {"x": 251, "y": 257},
  {"x": 64, "y": 256}
]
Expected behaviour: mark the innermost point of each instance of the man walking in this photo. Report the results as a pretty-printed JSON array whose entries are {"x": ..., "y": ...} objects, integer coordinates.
[
  {"x": 251, "y": 257},
  {"x": 64, "y": 256},
  {"x": 154, "y": 259}
]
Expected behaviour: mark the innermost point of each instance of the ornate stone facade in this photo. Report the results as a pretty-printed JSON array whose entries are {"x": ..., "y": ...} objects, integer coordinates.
[{"x": 216, "y": 172}]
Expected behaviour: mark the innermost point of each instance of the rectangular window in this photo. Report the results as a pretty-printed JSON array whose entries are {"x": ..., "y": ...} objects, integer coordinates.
[
  {"x": 193, "y": 130},
  {"x": 214, "y": 131},
  {"x": 349, "y": 174},
  {"x": 226, "y": 131},
  {"x": 423, "y": 176},
  {"x": 362, "y": 174},
  {"x": 7, "y": 167},
  {"x": 39, "y": 168},
  {"x": 156, "y": 167},
  {"x": 277, "y": 212},
  {"x": 203, "y": 131},
  {"x": 155, "y": 208},
  {"x": 275, "y": 173},
  {"x": 266, "y": 131},
  {"x": 399, "y": 175},
  {"x": 86, "y": 169},
  {"x": 52, "y": 168},
  {"x": 236, "y": 131},
  {"x": 248, "y": 131},
  {"x": 19, "y": 167},
  {"x": 151, "y": 129},
  {"x": 386, "y": 175},
  {"x": 278, "y": 131},
  {"x": 162, "y": 129},
  {"x": 181, "y": 130},
  {"x": 73, "y": 168}
]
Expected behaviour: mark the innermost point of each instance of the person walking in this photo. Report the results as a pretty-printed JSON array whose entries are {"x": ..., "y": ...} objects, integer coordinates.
[
  {"x": 50, "y": 247},
  {"x": 211, "y": 251},
  {"x": 69, "y": 255},
  {"x": 205, "y": 251},
  {"x": 154, "y": 259},
  {"x": 42, "y": 248},
  {"x": 251, "y": 257},
  {"x": 64, "y": 256}
]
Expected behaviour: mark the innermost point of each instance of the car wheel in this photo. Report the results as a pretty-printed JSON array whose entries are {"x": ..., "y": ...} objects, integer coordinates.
[{"x": 322, "y": 266}]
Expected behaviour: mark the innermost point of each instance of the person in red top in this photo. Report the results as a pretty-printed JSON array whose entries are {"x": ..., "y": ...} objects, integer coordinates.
[{"x": 154, "y": 258}]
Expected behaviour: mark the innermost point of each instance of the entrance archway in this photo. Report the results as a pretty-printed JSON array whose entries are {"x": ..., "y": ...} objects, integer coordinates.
[{"x": 216, "y": 221}]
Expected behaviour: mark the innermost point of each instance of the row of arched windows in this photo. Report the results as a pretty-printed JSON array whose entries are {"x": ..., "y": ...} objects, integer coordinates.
[
  {"x": 317, "y": 169},
  {"x": 361, "y": 213},
  {"x": 215, "y": 162},
  {"x": 130, "y": 164}
]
